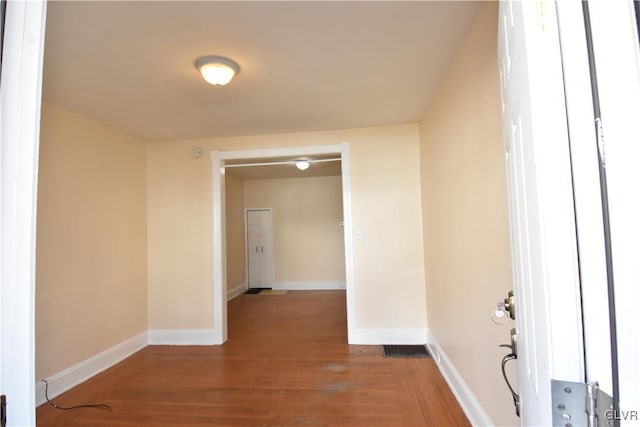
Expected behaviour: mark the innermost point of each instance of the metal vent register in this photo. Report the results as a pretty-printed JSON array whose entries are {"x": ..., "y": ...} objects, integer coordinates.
[{"x": 405, "y": 351}]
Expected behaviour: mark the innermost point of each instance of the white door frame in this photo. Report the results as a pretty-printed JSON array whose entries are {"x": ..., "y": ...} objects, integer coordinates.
[
  {"x": 218, "y": 159},
  {"x": 586, "y": 185},
  {"x": 617, "y": 63},
  {"x": 246, "y": 239},
  {"x": 20, "y": 98}
]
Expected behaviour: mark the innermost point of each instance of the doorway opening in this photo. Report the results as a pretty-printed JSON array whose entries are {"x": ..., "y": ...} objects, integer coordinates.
[{"x": 222, "y": 159}]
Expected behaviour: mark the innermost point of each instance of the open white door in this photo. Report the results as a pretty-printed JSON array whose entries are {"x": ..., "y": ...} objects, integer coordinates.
[
  {"x": 20, "y": 95},
  {"x": 543, "y": 239},
  {"x": 571, "y": 131}
]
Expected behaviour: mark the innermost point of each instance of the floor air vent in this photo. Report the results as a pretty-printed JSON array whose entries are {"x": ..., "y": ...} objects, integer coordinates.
[{"x": 405, "y": 351}]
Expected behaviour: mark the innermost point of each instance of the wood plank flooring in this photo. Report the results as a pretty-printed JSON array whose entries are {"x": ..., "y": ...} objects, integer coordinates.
[{"x": 286, "y": 363}]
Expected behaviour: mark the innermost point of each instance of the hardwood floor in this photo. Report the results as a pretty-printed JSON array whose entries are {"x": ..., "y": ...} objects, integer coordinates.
[{"x": 286, "y": 363}]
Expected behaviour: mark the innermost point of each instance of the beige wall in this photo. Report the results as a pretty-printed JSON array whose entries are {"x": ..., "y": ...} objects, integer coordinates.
[
  {"x": 306, "y": 214},
  {"x": 465, "y": 216},
  {"x": 91, "y": 240},
  {"x": 388, "y": 260},
  {"x": 235, "y": 239}
]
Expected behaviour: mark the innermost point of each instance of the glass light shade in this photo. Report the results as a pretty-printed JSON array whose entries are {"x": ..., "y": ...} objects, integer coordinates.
[
  {"x": 302, "y": 165},
  {"x": 217, "y": 74},
  {"x": 217, "y": 70}
]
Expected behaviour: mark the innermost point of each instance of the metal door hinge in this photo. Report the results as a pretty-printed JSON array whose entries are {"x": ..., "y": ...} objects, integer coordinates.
[{"x": 580, "y": 404}]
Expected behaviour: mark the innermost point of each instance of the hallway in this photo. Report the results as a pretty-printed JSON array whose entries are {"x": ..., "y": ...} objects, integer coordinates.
[{"x": 286, "y": 363}]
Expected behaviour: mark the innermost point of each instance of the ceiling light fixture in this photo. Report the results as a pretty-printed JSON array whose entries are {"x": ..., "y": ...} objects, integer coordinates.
[
  {"x": 302, "y": 165},
  {"x": 217, "y": 70}
]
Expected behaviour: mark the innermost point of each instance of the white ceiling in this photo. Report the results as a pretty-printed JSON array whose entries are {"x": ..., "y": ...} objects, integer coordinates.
[{"x": 304, "y": 65}]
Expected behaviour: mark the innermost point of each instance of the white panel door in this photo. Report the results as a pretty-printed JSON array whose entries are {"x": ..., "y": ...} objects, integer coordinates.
[
  {"x": 259, "y": 248},
  {"x": 253, "y": 249},
  {"x": 543, "y": 239}
]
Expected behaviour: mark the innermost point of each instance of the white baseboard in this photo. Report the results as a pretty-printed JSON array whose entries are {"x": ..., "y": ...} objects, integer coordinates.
[
  {"x": 236, "y": 290},
  {"x": 388, "y": 336},
  {"x": 80, "y": 372},
  {"x": 308, "y": 286},
  {"x": 467, "y": 400},
  {"x": 183, "y": 337}
]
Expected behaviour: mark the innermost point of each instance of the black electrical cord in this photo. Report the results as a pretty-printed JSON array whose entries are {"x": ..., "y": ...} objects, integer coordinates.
[{"x": 70, "y": 408}]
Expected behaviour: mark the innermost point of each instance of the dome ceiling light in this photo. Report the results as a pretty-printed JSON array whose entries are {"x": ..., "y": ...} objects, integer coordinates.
[
  {"x": 302, "y": 165},
  {"x": 217, "y": 70}
]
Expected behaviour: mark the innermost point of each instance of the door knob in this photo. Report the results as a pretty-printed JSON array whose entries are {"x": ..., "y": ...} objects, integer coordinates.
[{"x": 508, "y": 305}]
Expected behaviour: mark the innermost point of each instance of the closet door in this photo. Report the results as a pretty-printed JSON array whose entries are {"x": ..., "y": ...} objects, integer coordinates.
[{"x": 259, "y": 248}]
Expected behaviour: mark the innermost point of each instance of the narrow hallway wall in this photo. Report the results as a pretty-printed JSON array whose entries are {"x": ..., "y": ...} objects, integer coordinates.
[
  {"x": 235, "y": 237},
  {"x": 466, "y": 230}
]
